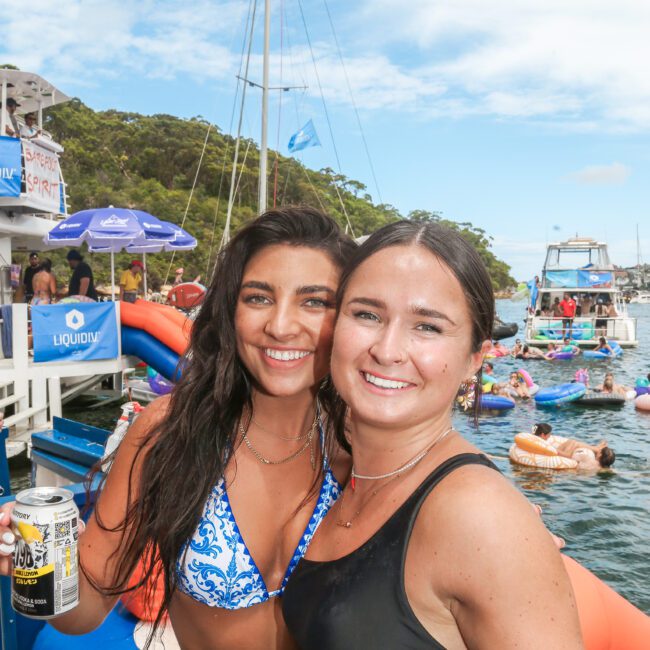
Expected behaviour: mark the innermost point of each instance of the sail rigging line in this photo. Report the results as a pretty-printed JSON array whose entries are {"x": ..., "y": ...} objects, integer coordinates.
[
  {"x": 208, "y": 273},
  {"x": 327, "y": 117},
  {"x": 231, "y": 197},
  {"x": 277, "y": 141},
  {"x": 189, "y": 198},
  {"x": 354, "y": 104}
]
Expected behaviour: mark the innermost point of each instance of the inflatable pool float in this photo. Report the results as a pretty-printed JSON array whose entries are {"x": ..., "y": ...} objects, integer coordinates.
[
  {"x": 642, "y": 403},
  {"x": 617, "y": 350},
  {"x": 600, "y": 399},
  {"x": 553, "y": 331},
  {"x": 533, "y": 388},
  {"x": 607, "y": 620},
  {"x": 495, "y": 402},
  {"x": 532, "y": 451},
  {"x": 561, "y": 394},
  {"x": 642, "y": 386},
  {"x": 564, "y": 355}
]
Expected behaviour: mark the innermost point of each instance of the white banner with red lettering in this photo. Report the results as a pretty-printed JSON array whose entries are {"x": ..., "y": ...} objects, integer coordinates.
[{"x": 42, "y": 177}]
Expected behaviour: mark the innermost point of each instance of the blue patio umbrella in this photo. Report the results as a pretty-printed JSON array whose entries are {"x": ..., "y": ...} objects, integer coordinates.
[
  {"x": 109, "y": 230},
  {"x": 182, "y": 241}
]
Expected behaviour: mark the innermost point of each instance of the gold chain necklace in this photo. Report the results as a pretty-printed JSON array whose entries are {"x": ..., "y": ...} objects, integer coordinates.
[{"x": 295, "y": 454}]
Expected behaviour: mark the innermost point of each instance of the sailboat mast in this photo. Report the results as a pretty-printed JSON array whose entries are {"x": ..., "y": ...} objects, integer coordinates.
[{"x": 265, "y": 108}]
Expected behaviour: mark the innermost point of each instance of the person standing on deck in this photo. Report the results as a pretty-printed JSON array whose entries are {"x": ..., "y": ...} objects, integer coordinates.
[
  {"x": 81, "y": 281},
  {"x": 130, "y": 281},
  {"x": 568, "y": 307},
  {"x": 44, "y": 284},
  {"x": 30, "y": 272}
]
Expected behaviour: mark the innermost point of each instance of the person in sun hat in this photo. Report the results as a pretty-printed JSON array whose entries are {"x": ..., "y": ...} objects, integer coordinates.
[
  {"x": 130, "y": 281},
  {"x": 179, "y": 276}
]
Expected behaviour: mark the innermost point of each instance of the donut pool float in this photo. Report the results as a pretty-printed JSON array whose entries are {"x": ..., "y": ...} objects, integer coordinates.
[
  {"x": 495, "y": 402},
  {"x": 601, "y": 399},
  {"x": 617, "y": 350},
  {"x": 532, "y": 451},
  {"x": 564, "y": 355},
  {"x": 642, "y": 403},
  {"x": 556, "y": 395},
  {"x": 533, "y": 388}
]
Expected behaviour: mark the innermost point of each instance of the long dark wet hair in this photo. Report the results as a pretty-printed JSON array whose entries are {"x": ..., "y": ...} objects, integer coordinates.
[
  {"x": 462, "y": 260},
  {"x": 186, "y": 453}
]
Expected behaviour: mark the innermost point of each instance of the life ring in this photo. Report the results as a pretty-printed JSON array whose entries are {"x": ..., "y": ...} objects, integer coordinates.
[
  {"x": 526, "y": 459},
  {"x": 642, "y": 403},
  {"x": 563, "y": 356},
  {"x": 607, "y": 620},
  {"x": 534, "y": 451},
  {"x": 561, "y": 394}
]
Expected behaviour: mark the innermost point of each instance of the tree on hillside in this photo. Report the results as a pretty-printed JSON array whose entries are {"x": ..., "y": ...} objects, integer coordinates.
[{"x": 150, "y": 162}]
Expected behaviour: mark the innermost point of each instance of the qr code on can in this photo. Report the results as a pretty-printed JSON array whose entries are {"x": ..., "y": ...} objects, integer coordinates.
[{"x": 61, "y": 529}]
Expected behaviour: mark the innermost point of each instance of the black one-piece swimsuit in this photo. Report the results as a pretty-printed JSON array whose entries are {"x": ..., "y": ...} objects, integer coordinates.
[{"x": 359, "y": 602}]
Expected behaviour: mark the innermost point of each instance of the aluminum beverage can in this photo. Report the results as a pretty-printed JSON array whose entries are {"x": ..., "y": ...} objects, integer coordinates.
[{"x": 45, "y": 577}]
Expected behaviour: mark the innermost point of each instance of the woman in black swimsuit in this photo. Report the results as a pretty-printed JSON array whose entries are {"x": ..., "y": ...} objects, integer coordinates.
[{"x": 429, "y": 546}]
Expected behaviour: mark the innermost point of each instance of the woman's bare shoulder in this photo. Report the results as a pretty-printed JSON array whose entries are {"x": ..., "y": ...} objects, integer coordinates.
[{"x": 149, "y": 419}]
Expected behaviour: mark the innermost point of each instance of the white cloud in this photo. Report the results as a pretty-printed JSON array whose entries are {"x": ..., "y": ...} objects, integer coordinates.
[
  {"x": 581, "y": 63},
  {"x": 614, "y": 174},
  {"x": 88, "y": 40},
  {"x": 578, "y": 66}
]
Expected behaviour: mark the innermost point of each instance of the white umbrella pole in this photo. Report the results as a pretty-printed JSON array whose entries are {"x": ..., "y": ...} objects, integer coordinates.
[
  {"x": 144, "y": 274},
  {"x": 112, "y": 276}
]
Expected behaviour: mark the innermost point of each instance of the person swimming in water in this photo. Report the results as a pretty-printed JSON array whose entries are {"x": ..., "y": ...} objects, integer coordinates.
[
  {"x": 599, "y": 456},
  {"x": 610, "y": 387}
]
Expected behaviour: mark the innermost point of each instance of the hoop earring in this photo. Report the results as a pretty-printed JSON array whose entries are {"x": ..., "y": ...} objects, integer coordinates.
[{"x": 467, "y": 393}]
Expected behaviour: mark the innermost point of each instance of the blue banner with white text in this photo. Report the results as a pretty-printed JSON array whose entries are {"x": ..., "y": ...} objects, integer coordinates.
[
  {"x": 74, "y": 331},
  {"x": 10, "y": 152}
]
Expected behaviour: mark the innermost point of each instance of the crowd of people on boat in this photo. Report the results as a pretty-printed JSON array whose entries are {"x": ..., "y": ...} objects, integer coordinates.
[
  {"x": 39, "y": 285},
  {"x": 319, "y": 376},
  {"x": 28, "y": 129}
]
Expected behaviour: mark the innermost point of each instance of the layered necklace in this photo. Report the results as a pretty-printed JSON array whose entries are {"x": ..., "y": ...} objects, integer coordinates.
[
  {"x": 308, "y": 436},
  {"x": 394, "y": 475}
]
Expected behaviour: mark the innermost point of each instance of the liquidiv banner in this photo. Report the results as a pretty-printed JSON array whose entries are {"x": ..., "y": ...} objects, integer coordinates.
[
  {"x": 42, "y": 177},
  {"x": 74, "y": 332},
  {"x": 9, "y": 166}
]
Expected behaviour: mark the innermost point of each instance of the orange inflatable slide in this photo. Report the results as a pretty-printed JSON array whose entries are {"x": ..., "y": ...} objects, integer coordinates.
[
  {"x": 164, "y": 323},
  {"x": 607, "y": 620}
]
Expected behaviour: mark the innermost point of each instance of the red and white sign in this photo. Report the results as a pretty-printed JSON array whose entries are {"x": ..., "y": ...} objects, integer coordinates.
[{"x": 42, "y": 177}]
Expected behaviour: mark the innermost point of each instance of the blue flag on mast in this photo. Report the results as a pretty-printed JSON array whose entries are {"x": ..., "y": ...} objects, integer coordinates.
[{"x": 305, "y": 137}]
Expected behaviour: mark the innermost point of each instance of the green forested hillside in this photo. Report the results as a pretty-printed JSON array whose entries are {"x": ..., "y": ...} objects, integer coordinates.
[{"x": 149, "y": 163}]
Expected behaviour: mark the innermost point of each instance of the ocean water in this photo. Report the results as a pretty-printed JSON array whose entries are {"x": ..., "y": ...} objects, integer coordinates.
[{"x": 604, "y": 518}]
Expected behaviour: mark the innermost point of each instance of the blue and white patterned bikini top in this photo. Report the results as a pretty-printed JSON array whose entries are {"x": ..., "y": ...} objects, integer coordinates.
[{"x": 218, "y": 569}]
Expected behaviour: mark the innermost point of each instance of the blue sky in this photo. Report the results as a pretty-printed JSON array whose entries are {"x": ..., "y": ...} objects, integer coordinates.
[{"x": 528, "y": 119}]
